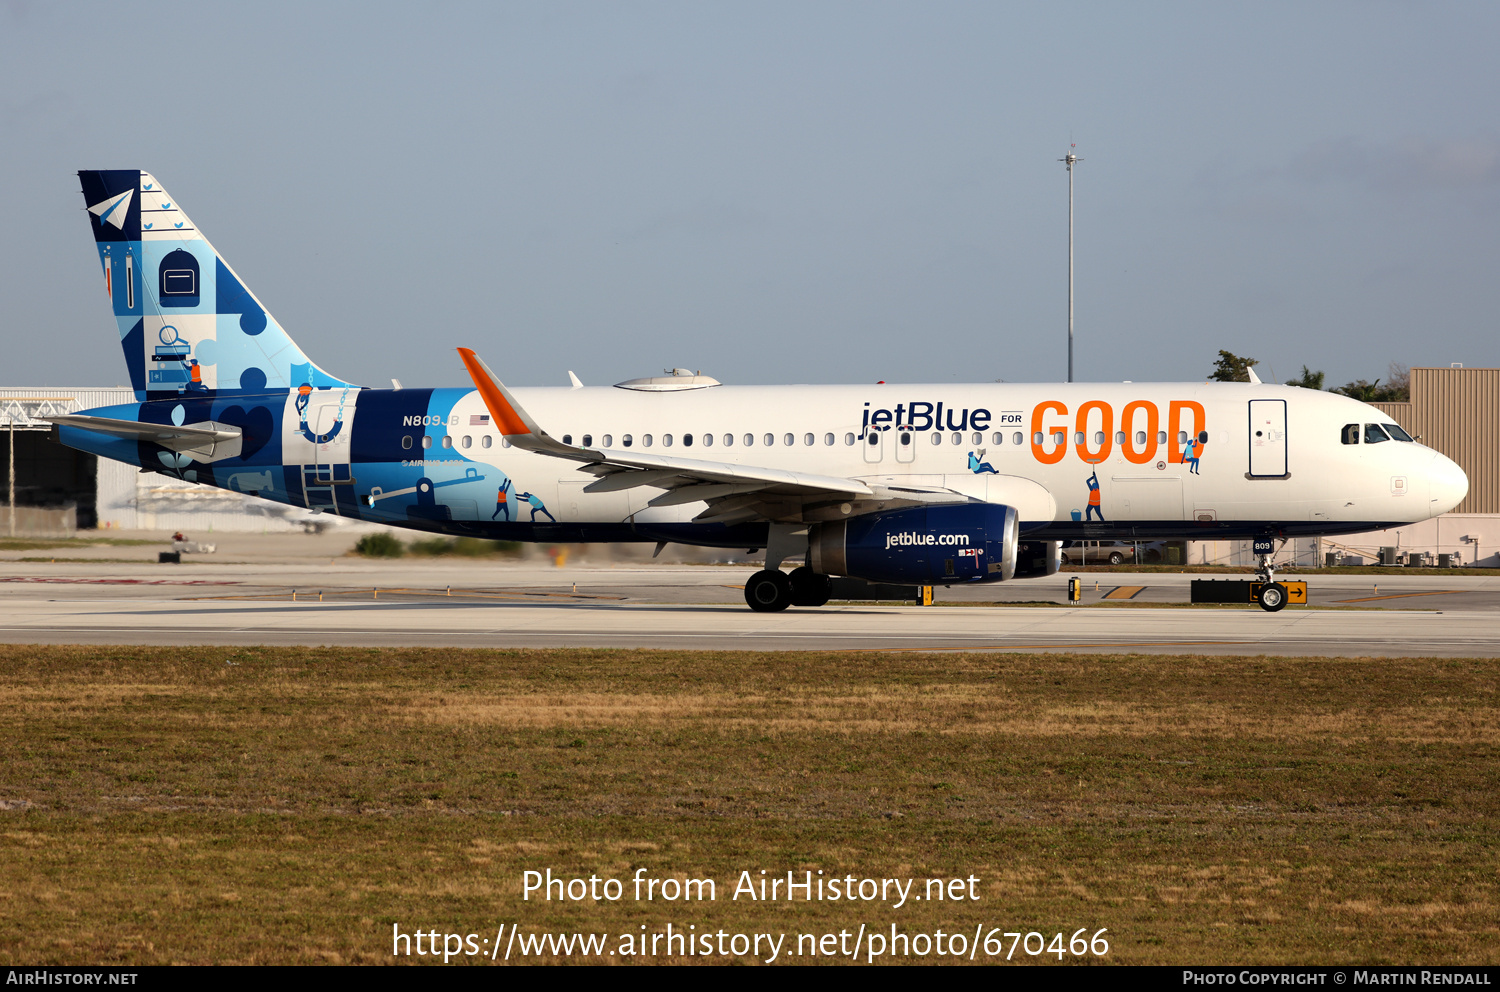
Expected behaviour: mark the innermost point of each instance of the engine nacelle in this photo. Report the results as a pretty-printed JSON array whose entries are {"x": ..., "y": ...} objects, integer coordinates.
[
  {"x": 1035, "y": 559},
  {"x": 926, "y": 545}
]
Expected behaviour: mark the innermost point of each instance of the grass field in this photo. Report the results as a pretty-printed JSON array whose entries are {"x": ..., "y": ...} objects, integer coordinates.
[{"x": 291, "y": 805}]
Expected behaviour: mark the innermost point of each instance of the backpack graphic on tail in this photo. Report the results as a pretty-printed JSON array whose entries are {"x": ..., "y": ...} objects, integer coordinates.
[{"x": 187, "y": 323}]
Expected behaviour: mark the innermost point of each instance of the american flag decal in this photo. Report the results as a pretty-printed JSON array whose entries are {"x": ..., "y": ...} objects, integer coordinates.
[{"x": 479, "y": 420}]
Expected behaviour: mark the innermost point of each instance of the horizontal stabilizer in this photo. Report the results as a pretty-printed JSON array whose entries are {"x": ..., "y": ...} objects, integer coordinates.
[{"x": 207, "y": 438}]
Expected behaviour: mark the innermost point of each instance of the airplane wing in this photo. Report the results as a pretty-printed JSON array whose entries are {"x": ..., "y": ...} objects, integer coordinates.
[
  {"x": 193, "y": 437},
  {"x": 733, "y": 492}
]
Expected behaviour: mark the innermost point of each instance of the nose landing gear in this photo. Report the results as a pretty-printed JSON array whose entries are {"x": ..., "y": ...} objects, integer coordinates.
[{"x": 1272, "y": 595}]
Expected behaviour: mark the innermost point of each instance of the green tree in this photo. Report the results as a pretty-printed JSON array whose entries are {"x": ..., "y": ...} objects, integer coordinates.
[
  {"x": 1397, "y": 388},
  {"x": 1231, "y": 367},
  {"x": 1360, "y": 389},
  {"x": 1308, "y": 379}
]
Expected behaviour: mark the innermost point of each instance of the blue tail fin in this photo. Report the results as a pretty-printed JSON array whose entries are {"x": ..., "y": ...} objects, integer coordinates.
[{"x": 187, "y": 322}]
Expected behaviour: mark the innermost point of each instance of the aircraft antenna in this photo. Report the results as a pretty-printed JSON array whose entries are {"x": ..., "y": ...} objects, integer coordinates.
[{"x": 1069, "y": 160}]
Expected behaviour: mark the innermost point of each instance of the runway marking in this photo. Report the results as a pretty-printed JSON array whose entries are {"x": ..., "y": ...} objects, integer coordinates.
[
  {"x": 60, "y": 580},
  {"x": 1124, "y": 592},
  {"x": 1400, "y": 595}
]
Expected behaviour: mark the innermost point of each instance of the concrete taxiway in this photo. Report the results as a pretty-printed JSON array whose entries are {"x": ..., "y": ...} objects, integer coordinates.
[{"x": 446, "y": 602}]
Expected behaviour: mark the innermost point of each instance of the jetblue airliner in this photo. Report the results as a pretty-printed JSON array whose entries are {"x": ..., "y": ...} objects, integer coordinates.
[{"x": 907, "y": 483}]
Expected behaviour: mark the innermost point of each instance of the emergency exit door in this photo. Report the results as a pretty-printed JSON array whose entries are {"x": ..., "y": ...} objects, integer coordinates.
[{"x": 1268, "y": 439}]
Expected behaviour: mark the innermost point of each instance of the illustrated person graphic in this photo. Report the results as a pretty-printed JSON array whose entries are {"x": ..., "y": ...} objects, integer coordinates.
[
  {"x": 304, "y": 393},
  {"x": 1093, "y": 510},
  {"x": 502, "y": 502},
  {"x": 195, "y": 372},
  {"x": 536, "y": 506},
  {"x": 1191, "y": 455},
  {"x": 980, "y": 467}
]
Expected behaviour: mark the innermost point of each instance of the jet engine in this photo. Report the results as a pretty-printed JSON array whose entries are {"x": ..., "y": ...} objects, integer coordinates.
[{"x": 925, "y": 545}]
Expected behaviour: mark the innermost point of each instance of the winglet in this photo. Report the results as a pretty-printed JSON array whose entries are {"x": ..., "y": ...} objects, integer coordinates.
[
  {"x": 508, "y": 417},
  {"x": 512, "y": 420}
]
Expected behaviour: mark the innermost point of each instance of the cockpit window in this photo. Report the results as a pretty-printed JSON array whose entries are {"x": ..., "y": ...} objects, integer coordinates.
[
  {"x": 1374, "y": 435},
  {"x": 1397, "y": 433},
  {"x": 1350, "y": 434}
]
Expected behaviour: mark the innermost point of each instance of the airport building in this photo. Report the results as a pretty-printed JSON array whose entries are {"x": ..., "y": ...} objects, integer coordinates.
[
  {"x": 52, "y": 490},
  {"x": 56, "y": 490}
]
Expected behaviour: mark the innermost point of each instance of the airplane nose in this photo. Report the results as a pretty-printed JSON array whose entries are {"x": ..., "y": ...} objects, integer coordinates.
[{"x": 1449, "y": 484}]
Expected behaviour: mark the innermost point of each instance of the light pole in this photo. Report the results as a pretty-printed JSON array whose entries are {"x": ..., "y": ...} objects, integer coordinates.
[{"x": 1069, "y": 160}]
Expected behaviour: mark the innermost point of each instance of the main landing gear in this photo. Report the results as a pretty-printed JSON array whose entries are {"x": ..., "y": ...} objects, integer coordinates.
[{"x": 772, "y": 590}]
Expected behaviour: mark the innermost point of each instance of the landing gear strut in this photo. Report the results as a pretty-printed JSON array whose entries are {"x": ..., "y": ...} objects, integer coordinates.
[{"x": 1272, "y": 595}]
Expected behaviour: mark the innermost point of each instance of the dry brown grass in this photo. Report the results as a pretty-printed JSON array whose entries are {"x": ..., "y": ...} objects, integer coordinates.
[{"x": 289, "y": 805}]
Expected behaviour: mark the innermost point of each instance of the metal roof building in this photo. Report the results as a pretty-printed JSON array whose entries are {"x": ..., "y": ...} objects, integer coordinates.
[{"x": 56, "y": 490}]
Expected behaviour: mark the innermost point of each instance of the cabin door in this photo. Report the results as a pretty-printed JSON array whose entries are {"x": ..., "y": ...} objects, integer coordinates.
[{"x": 1268, "y": 439}]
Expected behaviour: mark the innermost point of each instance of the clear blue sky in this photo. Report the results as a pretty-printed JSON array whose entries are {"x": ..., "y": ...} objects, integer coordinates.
[{"x": 776, "y": 192}]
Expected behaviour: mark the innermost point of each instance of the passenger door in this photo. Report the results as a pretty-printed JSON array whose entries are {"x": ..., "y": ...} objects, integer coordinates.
[{"x": 1268, "y": 439}]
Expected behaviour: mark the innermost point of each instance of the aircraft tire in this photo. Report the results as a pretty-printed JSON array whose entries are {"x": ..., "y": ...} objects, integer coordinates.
[
  {"x": 809, "y": 588},
  {"x": 1272, "y": 596},
  {"x": 768, "y": 591}
]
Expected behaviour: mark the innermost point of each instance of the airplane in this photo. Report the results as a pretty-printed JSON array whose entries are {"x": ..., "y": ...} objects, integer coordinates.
[{"x": 923, "y": 484}]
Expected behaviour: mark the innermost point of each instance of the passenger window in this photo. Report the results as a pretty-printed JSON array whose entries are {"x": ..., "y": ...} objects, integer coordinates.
[
  {"x": 807, "y": 439},
  {"x": 1119, "y": 437},
  {"x": 1203, "y": 437},
  {"x": 1098, "y": 437},
  {"x": 1078, "y": 437},
  {"x": 626, "y": 440},
  {"x": 486, "y": 441},
  {"x": 1140, "y": 438},
  {"x": 708, "y": 440},
  {"x": 567, "y": 439},
  {"x": 769, "y": 439},
  {"x": 849, "y": 438},
  {"x": 608, "y": 441},
  {"x": 505, "y": 442},
  {"x": 666, "y": 440},
  {"x": 588, "y": 440},
  {"x": 937, "y": 439},
  {"x": 789, "y": 440},
  {"x": 1374, "y": 435},
  {"x": 873, "y": 437},
  {"x": 997, "y": 438},
  {"x": 905, "y": 438},
  {"x": 427, "y": 441},
  {"x": 978, "y": 438},
  {"x": 728, "y": 440},
  {"x": 406, "y": 441},
  {"x": 827, "y": 440},
  {"x": 749, "y": 440},
  {"x": 1036, "y": 438},
  {"x": 1161, "y": 437},
  {"x": 645, "y": 440},
  {"x": 467, "y": 442},
  {"x": 1182, "y": 437},
  {"x": 1059, "y": 437},
  {"x": 1016, "y": 438},
  {"x": 447, "y": 441},
  {"x": 958, "y": 438},
  {"x": 1397, "y": 433},
  {"x": 687, "y": 440}
]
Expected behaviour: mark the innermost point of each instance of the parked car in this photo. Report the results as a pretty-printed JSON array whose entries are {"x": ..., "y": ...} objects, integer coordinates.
[{"x": 1098, "y": 552}]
